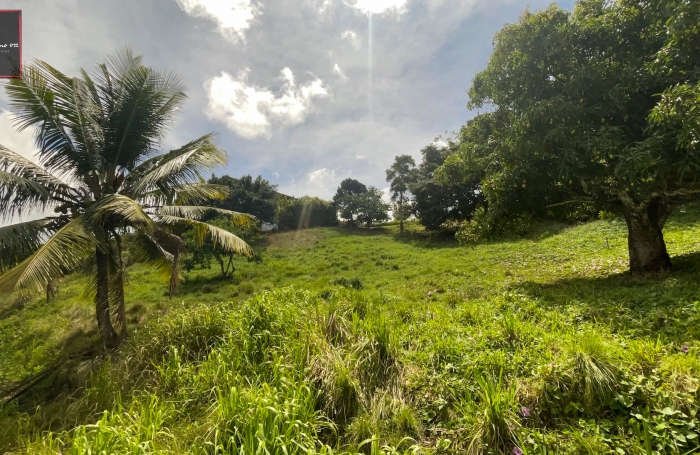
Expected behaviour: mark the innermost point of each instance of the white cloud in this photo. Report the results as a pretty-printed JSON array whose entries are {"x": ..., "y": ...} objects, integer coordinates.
[
  {"x": 338, "y": 72},
  {"x": 386, "y": 194},
  {"x": 320, "y": 175},
  {"x": 321, "y": 5},
  {"x": 232, "y": 16},
  {"x": 377, "y": 6},
  {"x": 249, "y": 110},
  {"x": 276, "y": 174},
  {"x": 353, "y": 38}
]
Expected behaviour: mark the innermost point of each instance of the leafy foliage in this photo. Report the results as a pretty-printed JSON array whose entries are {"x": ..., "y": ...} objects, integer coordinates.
[
  {"x": 345, "y": 198},
  {"x": 578, "y": 117},
  {"x": 436, "y": 202},
  {"x": 202, "y": 254},
  {"x": 305, "y": 212},
  {"x": 256, "y": 197}
]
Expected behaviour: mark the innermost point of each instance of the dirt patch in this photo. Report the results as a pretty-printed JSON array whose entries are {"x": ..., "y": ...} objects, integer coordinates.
[{"x": 293, "y": 239}]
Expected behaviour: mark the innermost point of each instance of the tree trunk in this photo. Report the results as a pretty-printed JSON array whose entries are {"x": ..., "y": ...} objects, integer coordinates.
[
  {"x": 645, "y": 239},
  {"x": 401, "y": 213},
  {"x": 175, "y": 275},
  {"x": 119, "y": 291},
  {"x": 104, "y": 322}
]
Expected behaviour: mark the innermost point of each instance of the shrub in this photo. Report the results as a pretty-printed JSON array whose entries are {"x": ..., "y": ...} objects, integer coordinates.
[{"x": 352, "y": 283}]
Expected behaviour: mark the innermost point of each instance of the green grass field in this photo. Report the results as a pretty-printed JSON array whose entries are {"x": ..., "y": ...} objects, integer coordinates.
[{"x": 344, "y": 336}]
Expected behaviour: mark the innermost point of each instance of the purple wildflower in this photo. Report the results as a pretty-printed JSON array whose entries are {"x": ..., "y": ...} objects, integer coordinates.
[
  {"x": 517, "y": 451},
  {"x": 685, "y": 349},
  {"x": 525, "y": 411}
]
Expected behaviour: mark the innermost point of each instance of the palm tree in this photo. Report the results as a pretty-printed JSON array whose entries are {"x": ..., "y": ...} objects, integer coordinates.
[
  {"x": 400, "y": 175},
  {"x": 101, "y": 171}
]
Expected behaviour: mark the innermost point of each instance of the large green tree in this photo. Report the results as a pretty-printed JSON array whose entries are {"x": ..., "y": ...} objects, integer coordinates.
[
  {"x": 436, "y": 201},
  {"x": 400, "y": 175},
  {"x": 345, "y": 198},
  {"x": 101, "y": 171},
  {"x": 371, "y": 207},
  {"x": 585, "y": 119},
  {"x": 257, "y": 197}
]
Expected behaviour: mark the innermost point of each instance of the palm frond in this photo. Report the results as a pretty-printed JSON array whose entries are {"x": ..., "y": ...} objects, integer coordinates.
[
  {"x": 147, "y": 102},
  {"x": 64, "y": 251},
  {"x": 118, "y": 207},
  {"x": 25, "y": 186},
  {"x": 57, "y": 107},
  {"x": 185, "y": 165},
  {"x": 197, "y": 212},
  {"x": 18, "y": 241},
  {"x": 175, "y": 246},
  {"x": 221, "y": 238},
  {"x": 147, "y": 250},
  {"x": 185, "y": 194}
]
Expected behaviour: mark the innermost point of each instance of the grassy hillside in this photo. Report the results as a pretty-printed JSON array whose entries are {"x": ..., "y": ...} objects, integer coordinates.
[{"x": 343, "y": 336}]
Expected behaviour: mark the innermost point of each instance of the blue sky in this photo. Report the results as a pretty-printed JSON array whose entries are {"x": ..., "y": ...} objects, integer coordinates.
[{"x": 290, "y": 86}]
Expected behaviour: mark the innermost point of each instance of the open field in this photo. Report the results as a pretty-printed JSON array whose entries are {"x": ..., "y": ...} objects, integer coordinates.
[{"x": 344, "y": 335}]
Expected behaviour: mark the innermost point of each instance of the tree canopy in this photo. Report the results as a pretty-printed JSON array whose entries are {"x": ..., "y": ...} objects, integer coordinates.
[
  {"x": 257, "y": 197},
  {"x": 436, "y": 202},
  {"x": 345, "y": 198}
]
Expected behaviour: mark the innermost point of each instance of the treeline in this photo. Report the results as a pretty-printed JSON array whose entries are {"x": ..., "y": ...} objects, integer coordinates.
[{"x": 259, "y": 198}]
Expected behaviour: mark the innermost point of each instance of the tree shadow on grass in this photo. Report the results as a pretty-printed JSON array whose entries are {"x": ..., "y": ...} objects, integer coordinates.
[{"x": 663, "y": 305}]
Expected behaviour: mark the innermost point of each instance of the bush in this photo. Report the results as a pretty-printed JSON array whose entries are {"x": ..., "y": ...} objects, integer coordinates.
[
  {"x": 352, "y": 283},
  {"x": 306, "y": 212}
]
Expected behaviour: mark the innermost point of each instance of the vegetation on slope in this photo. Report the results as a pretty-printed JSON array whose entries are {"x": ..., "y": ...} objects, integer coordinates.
[{"x": 546, "y": 345}]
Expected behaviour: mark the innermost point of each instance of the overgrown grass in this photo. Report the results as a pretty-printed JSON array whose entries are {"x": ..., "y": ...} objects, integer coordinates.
[{"x": 385, "y": 343}]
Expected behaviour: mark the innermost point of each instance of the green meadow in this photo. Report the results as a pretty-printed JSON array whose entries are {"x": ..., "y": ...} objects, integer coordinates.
[{"x": 372, "y": 341}]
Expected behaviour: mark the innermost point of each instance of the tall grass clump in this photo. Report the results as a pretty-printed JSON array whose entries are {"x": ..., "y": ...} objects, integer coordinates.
[
  {"x": 495, "y": 421},
  {"x": 593, "y": 372},
  {"x": 277, "y": 420}
]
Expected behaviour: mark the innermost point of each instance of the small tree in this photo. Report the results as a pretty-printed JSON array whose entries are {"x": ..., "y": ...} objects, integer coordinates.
[
  {"x": 371, "y": 208},
  {"x": 400, "y": 175},
  {"x": 345, "y": 200}
]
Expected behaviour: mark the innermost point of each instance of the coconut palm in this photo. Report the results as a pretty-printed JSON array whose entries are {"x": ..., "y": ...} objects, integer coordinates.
[{"x": 102, "y": 172}]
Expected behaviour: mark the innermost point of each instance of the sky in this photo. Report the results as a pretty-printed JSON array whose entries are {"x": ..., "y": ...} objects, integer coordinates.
[{"x": 305, "y": 93}]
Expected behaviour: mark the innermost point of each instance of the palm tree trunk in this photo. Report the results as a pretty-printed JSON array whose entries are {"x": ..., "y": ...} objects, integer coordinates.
[
  {"x": 119, "y": 291},
  {"x": 175, "y": 276},
  {"x": 104, "y": 322}
]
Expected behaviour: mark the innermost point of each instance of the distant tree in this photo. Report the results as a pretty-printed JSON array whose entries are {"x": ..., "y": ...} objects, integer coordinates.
[
  {"x": 256, "y": 197},
  {"x": 434, "y": 201},
  {"x": 345, "y": 200},
  {"x": 600, "y": 105},
  {"x": 400, "y": 175},
  {"x": 371, "y": 208}
]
